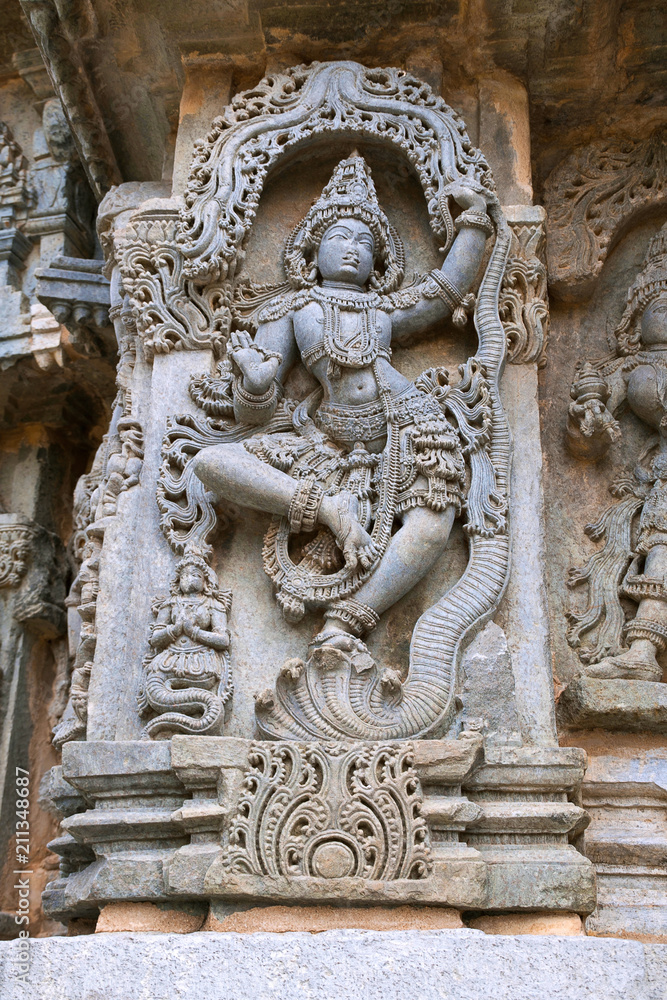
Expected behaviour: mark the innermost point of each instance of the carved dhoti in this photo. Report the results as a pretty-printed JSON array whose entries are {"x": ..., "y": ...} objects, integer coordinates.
[{"x": 420, "y": 465}]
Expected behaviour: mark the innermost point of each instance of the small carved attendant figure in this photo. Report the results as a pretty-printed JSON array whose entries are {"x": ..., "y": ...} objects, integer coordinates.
[
  {"x": 124, "y": 463},
  {"x": 187, "y": 675},
  {"x": 633, "y": 562},
  {"x": 369, "y": 448}
]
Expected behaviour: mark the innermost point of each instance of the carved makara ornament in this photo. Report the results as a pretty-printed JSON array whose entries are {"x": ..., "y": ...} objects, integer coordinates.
[
  {"x": 368, "y": 472},
  {"x": 633, "y": 562},
  {"x": 187, "y": 675}
]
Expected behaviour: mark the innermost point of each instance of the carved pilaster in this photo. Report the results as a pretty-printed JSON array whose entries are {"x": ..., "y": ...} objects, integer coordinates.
[{"x": 524, "y": 302}]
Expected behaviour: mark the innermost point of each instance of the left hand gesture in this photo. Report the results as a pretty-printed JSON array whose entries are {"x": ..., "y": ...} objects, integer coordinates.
[
  {"x": 476, "y": 198},
  {"x": 258, "y": 373}
]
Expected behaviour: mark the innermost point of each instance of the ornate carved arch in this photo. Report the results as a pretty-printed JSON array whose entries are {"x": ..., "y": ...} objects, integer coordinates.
[{"x": 286, "y": 112}]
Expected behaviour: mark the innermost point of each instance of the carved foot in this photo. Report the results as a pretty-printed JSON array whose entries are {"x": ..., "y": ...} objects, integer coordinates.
[
  {"x": 635, "y": 665},
  {"x": 333, "y": 646},
  {"x": 340, "y": 514},
  {"x": 70, "y": 729}
]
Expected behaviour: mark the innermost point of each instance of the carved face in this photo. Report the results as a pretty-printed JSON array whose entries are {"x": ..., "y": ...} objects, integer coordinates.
[
  {"x": 192, "y": 580},
  {"x": 346, "y": 252},
  {"x": 654, "y": 321}
]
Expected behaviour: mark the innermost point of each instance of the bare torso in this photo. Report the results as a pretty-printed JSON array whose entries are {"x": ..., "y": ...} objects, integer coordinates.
[{"x": 351, "y": 386}]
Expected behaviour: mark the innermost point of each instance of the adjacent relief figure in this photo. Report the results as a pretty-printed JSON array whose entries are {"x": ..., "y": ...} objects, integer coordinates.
[
  {"x": 187, "y": 674},
  {"x": 633, "y": 562}
]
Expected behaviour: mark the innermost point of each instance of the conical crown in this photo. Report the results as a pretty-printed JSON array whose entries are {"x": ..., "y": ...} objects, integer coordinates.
[
  {"x": 351, "y": 186},
  {"x": 349, "y": 194},
  {"x": 647, "y": 286}
]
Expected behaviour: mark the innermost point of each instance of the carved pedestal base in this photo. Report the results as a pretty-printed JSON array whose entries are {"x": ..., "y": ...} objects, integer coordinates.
[
  {"x": 627, "y": 842},
  {"x": 633, "y": 706},
  {"x": 424, "y": 822}
]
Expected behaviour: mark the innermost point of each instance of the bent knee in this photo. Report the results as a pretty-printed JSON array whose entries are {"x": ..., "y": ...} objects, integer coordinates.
[
  {"x": 433, "y": 526},
  {"x": 214, "y": 465}
]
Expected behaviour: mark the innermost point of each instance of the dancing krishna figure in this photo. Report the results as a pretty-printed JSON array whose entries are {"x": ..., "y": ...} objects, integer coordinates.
[{"x": 368, "y": 448}]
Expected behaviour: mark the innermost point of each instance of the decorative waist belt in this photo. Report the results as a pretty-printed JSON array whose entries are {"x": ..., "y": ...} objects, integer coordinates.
[{"x": 367, "y": 422}]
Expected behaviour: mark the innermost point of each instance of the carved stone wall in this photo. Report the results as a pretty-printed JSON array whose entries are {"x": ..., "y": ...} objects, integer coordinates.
[{"x": 325, "y": 587}]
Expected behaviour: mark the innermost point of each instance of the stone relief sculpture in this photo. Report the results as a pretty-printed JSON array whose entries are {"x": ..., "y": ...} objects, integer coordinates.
[
  {"x": 591, "y": 196},
  {"x": 358, "y": 778},
  {"x": 187, "y": 670},
  {"x": 367, "y": 474},
  {"x": 369, "y": 447},
  {"x": 633, "y": 562},
  {"x": 330, "y": 811},
  {"x": 124, "y": 462}
]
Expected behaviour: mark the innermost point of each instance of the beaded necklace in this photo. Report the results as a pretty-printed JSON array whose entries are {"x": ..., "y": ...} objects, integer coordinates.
[{"x": 356, "y": 350}]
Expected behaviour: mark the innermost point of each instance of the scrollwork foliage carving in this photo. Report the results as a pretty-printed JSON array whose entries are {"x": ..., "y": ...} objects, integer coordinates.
[
  {"x": 330, "y": 811},
  {"x": 523, "y": 303},
  {"x": 171, "y": 312},
  {"x": 590, "y": 196}
]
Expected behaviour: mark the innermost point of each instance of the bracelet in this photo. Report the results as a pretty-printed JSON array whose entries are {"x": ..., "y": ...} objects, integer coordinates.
[
  {"x": 474, "y": 220},
  {"x": 263, "y": 402},
  {"x": 311, "y": 509},
  {"x": 644, "y": 628},
  {"x": 304, "y": 506},
  {"x": 353, "y": 614},
  {"x": 267, "y": 355},
  {"x": 446, "y": 289}
]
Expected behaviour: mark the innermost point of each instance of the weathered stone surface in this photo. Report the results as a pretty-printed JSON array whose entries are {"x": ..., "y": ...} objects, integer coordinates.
[
  {"x": 315, "y": 919},
  {"x": 524, "y": 612},
  {"x": 560, "y": 924},
  {"x": 488, "y": 687},
  {"x": 146, "y": 917},
  {"x": 626, "y": 798},
  {"x": 359, "y": 965},
  {"x": 614, "y": 704}
]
